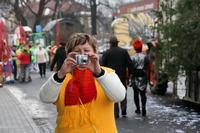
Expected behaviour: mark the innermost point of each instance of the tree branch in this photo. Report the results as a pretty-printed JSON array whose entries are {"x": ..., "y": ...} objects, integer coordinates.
[
  {"x": 7, "y": 18},
  {"x": 105, "y": 4},
  {"x": 27, "y": 5},
  {"x": 47, "y": 2}
]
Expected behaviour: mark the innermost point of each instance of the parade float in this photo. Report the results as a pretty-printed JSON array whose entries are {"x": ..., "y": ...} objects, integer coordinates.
[
  {"x": 21, "y": 34},
  {"x": 128, "y": 27}
]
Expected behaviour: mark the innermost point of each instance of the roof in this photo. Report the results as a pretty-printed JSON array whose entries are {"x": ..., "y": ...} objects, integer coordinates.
[
  {"x": 27, "y": 29},
  {"x": 51, "y": 24},
  {"x": 67, "y": 20},
  {"x": 66, "y": 7}
]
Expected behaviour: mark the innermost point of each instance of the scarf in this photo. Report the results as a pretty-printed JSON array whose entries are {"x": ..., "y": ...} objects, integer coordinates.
[{"x": 81, "y": 88}]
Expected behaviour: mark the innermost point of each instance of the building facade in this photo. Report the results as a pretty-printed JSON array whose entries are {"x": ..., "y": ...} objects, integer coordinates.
[{"x": 138, "y": 6}]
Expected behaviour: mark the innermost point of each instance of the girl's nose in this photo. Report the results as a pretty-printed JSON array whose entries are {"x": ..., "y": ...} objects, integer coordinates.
[{"x": 82, "y": 52}]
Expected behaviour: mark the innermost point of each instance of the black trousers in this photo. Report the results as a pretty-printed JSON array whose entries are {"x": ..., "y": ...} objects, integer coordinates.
[
  {"x": 143, "y": 96},
  {"x": 15, "y": 69},
  {"x": 42, "y": 69},
  {"x": 123, "y": 104}
]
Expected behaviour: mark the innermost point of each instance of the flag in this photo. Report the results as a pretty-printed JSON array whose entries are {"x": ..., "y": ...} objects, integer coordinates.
[
  {"x": 7, "y": 47},
  {"x": 57, "y": 33},
  {"x": 1, "y": 40},
  {"x": 4, "y": 47}
]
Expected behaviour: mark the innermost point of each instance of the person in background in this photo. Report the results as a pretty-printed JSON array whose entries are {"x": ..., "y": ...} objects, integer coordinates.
[
  {"x": 14, "y": 64},
  {"x": 139, "y": 76},
  {"x": 59, "y": 57},
  {"x": 52, "y": 51},
  {"x": 118, "y": 59},
  {"x": 42, "y": 58},
  {"x": 83, "y": 91},
  {"x": 34, "y": 65},
  {"x": 24, "y": 58}
]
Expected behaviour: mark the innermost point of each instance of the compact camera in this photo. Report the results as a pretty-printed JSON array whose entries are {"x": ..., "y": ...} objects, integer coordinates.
[{"x": 81, "y": 59}]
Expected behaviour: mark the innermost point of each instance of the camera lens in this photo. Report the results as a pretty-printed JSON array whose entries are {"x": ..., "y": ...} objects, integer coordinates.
[{"x": 84, "y": 60}]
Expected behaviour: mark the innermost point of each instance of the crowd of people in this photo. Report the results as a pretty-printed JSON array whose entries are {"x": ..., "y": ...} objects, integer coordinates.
[{"x": 27, "y": 58}]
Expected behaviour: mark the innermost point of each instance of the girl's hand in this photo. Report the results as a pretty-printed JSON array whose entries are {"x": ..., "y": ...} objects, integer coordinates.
[
  {"x": 68, "y": 63},
  {"x": 93, "y": 63}
]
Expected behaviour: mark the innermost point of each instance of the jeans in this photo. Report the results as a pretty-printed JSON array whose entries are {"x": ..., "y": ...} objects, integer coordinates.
[
  {"x": 24, "y": 72},
  {"x": 143, "y": 96}
]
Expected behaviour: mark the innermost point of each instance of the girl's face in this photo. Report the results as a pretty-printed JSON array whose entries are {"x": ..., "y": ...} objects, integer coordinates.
[{"x": 83, "y": 49}]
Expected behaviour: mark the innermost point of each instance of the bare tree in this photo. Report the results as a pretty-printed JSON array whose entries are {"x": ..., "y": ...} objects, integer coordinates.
[
  {"x": 93, "y": 8},
  {"x": 20, "y": 6},
  {"x": 55, "y": 10},
  {"x": 94, "y": 4},
  {"x": 18, "y": 13},
  {"x": 39, "y": 13}
]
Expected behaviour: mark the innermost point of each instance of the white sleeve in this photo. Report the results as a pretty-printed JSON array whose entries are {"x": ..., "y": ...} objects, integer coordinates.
[
  {"x": 50, "y": 90},
  {"x": 112, "y": 86}
]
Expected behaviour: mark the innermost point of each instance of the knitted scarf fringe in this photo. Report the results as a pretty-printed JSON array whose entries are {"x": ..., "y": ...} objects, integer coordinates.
[{"x": 77, "y": 114}]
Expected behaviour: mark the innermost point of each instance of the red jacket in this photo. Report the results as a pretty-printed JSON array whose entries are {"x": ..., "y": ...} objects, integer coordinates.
[{"x": 24, "y": 58}]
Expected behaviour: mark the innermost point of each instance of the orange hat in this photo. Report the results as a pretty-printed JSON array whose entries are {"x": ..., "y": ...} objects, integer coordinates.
[{"x": 137, "y": 44}]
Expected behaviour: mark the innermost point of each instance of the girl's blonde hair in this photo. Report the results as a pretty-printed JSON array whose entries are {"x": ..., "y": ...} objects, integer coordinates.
[{"x": 80, "y": 39}]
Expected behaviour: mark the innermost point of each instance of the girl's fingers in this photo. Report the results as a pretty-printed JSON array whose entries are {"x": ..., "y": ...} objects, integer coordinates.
[
  {"x": 70, "y": 61},
  {"x": 72, "y": 54},
  {"x": 93, "y": 56}
]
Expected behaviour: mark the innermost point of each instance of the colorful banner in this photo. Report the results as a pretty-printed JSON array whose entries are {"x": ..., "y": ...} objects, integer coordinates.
[{"x": 5, "y": 66}]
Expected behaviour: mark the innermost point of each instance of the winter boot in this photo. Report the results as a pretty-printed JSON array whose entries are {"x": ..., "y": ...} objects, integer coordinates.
[{"x": 143, "y": 111}]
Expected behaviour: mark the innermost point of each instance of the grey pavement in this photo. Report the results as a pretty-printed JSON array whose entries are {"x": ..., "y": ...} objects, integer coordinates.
[{"x": 13, "y": 117}]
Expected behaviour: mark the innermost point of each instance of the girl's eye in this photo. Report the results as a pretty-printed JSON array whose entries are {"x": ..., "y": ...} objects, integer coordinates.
[{"x": 87, "y": 50}]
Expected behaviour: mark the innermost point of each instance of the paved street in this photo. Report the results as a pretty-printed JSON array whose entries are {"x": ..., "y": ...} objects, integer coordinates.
[
  {"x": 28, "y": 95},
  {"x": 163, "y": 113},
  {"x": 13, "y": 117},
  {"x": 163, "y": 116}
]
